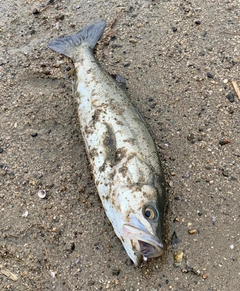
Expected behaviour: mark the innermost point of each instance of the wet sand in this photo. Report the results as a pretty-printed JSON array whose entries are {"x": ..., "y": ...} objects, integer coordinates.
[{"x": 179, "y": 59}]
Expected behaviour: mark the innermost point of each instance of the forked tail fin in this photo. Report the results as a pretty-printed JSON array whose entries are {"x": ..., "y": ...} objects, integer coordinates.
[{"x": 87, "y": 36}]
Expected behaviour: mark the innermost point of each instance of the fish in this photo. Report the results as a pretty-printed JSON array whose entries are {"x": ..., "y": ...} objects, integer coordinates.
[{"x": 121, "y": 151}]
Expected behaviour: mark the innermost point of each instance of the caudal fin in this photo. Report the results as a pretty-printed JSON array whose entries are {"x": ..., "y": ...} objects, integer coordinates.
[{"x": 88, "y": 36}]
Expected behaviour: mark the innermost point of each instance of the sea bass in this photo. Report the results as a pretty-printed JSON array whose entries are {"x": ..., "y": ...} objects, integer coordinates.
[{"x": 121, "y": 151}]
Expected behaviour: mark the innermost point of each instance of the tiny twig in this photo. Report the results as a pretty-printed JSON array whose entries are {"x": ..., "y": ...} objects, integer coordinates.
[
  {"x": 109, "y": 29},
  {"x": 8, "y": 273},
  {"x": 235, "y": 86}
]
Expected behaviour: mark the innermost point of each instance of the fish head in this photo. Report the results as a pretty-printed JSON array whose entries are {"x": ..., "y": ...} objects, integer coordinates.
[{"x": 140, "y": 221}]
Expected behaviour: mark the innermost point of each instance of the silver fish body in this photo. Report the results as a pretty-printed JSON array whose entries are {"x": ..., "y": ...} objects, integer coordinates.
[{"x": 123, "y": 156}]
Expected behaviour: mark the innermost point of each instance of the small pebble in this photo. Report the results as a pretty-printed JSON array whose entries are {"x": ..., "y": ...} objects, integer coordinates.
[
  {"x": 192, "y": 231},
  {"x": 209, "y": 75},
  {"x": 52, "y": 274},
  {"x": 107, "y": 286},
  {"x": 1, "y": 150},
  {"x": 197, "y": 22},
  {"x": 116, "y": 272},
  {"x": 174, "y": 29},
  {"x": 230, "y": 97},
  {"x": 133, "y": 40},
  {"x": 204, "y": 276},
  {"x": 178, "y": 257},
  {"x": 34, "y": 134},
  {"x": 72, "y": 246},
  {"x": 224, "y": 141},
  {"x": 35, "y": 11}
]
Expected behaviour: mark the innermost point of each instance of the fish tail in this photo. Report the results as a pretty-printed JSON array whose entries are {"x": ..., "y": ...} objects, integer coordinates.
[{"x": 87, "y": 36}]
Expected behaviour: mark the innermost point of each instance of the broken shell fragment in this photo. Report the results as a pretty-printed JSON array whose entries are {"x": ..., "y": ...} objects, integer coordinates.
[
  {"x": 42, "y": 194},
  {"x": 25, "y": 214}
]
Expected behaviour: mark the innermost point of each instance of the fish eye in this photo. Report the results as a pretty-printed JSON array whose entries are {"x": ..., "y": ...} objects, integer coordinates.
[{"x": 150, "y": 213}]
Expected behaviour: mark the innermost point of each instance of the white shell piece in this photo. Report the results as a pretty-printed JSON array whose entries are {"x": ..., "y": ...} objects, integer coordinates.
[{"x": 42, "y": 194}]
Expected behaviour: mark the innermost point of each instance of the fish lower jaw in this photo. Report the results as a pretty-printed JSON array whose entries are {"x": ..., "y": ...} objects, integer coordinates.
[
  {"x": 148, "y": 250},
  {"x": 140, "y": 250}
]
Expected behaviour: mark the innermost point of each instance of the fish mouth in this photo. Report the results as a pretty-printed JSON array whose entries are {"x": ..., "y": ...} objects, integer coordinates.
[
  {"x": 144, "y": 244},
  {"x": 148, "y": 250}
]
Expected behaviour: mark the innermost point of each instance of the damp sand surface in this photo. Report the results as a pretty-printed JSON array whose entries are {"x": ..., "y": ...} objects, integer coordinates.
[{"x": 179, "y": 59}]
